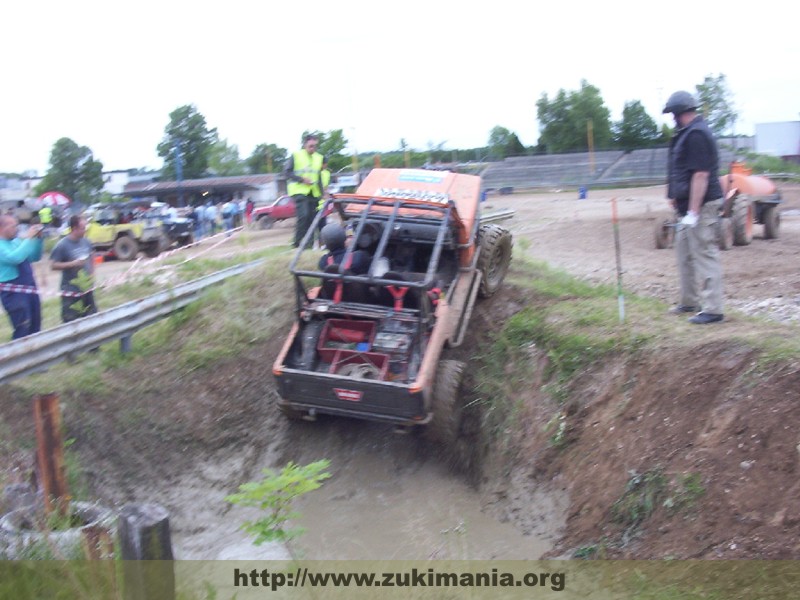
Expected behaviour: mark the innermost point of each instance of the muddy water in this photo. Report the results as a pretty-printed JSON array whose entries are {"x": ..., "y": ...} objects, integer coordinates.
[{"x": 396, "y": 497}]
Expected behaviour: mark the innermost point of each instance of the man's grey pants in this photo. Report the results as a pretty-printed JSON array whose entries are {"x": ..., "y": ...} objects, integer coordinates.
[{"x": 699, "y": 265}]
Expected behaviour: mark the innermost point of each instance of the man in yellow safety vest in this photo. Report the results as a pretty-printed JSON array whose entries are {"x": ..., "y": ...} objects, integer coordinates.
[{"x": 302, "y": 172}]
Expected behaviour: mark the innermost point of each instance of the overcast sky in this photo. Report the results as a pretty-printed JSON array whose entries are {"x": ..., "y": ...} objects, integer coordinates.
[{"x": 107, "y": 74}]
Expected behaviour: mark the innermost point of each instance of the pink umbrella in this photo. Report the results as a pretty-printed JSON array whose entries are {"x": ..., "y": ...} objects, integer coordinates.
[{"x": 55, "y": 199}]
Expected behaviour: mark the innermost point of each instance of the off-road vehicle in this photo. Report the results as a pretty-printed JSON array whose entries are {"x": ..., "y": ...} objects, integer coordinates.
[
  {"x": 112, "y": 227},
  {"x": 370, "y": 345},
  {"x": 281, "y": 209}
]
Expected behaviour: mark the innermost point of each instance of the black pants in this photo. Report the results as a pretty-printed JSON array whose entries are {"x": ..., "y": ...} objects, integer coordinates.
[{"x": 305, "y": 208}]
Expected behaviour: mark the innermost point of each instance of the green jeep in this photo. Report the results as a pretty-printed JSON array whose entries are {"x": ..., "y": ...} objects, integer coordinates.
[{"x": 111, "y": 227}]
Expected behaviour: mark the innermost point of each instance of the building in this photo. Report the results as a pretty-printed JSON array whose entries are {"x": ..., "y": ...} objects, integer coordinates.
[
  {"x": 780, "y": 139},
  {"x": 260, "y": 188}
]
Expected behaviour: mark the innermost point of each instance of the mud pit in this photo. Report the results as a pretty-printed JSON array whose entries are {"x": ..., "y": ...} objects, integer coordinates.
[{"x": 400, "y": 497}]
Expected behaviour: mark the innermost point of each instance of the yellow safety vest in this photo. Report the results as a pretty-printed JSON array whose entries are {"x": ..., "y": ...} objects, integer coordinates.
[
  {"x": 325, "y": 179},
  {"x": 305, "y": 165},
  {"x": 45, "y": 215}
]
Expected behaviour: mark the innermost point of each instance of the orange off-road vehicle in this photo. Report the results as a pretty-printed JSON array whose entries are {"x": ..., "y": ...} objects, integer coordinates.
[{"x": 370, "y": 345}]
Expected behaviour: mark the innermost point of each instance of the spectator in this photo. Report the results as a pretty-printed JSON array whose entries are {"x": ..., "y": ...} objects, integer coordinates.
[
  {"x": 249, "y": 206},
  {"x": 22, "y": 305},
  {"x": 73, "y": 255}
]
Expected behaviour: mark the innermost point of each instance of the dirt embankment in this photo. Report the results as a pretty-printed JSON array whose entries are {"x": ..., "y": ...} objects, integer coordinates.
[{"x": 685, "y": 451}]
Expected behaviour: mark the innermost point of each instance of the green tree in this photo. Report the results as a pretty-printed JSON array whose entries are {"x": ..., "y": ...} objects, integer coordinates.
[
  {"x": 503, "y": 142},
  {"x": 188, "y": 133},
  {"x": 223, "y": 159},
  {"x": 637, "y": 129},
  {"x": 331, "y": 145},
  {"x": 563, "y": 121},
  {"x": 266, "y": 158},
  {"x": 73, "y": 171},
  {"x": 716, "y": 104}
]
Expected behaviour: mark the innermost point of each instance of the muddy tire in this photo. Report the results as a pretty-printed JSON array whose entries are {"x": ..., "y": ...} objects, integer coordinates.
[
  {"x": 743, "y": 222},
  {"x": 664, "y": 234},
  {"x": 265, "y": 222},
  {"x": 126, "y": 248},
  {"x": 772, "y": 222},
  {"x": 495, "y": 255},
  {"x": 725, "y": 233},
  {"x": 448, "y": 403}
]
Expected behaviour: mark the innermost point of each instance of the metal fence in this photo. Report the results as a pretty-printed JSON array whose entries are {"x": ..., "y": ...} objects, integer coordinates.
[{"x": 38, "y": 351}]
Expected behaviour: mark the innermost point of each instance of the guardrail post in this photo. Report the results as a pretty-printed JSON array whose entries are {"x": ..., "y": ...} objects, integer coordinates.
[
  {"x": 126, "y": 344},
  {"x": 50, "y": 453},
  {"x": 146, "y": 551}
]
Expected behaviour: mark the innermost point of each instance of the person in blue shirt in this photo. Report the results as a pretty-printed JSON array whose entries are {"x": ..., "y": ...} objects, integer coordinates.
[
  {"x": 18, "y": 291},
  {"x": 333, "y": 237}
]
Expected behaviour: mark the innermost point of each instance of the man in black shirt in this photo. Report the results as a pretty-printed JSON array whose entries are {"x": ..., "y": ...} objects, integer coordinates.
[{"x": 696, "y": 195}]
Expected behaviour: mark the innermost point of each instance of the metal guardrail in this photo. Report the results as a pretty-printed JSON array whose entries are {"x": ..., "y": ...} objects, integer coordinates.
[{"x": 38, "y": 351}]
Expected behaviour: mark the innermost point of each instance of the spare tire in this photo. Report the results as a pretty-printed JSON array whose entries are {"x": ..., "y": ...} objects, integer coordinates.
[{"x": 495, "y": 244}]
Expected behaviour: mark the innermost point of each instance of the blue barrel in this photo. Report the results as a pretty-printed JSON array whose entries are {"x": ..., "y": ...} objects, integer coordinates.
[{"x": 581, "y": 193}]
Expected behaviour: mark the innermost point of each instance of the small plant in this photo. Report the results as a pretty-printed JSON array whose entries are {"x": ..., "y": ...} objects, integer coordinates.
[
  {"x": 642, "y": 496},
  {"x": 689, "y": 489},
  {"x": 274, "y": 494}
]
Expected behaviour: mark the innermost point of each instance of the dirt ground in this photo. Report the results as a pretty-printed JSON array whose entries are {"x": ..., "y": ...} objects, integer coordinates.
[
  {"x": 714, "y": 435},
  {"x": 577, "y": 235}
]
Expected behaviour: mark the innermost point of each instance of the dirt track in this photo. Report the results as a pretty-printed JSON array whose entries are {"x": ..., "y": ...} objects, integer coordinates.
[{"x": 577, "y": 236}]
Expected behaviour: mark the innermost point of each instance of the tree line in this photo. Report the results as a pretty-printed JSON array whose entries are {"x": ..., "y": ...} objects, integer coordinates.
[{"x": 570, "y": 121}]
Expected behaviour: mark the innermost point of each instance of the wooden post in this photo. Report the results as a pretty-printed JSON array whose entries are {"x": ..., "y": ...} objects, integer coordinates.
[
  {"x": 146, "y": 551},
  {"x": 50, "y": 453}
]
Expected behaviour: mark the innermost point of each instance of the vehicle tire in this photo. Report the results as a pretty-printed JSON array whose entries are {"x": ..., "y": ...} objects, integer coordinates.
[
  {"x": 772, "y": 222},
  {"x": 448, "y": 403},
  {"x": 152, "y": 249},
  {"x": 187, "y": 240},
  {"x": 495, "y": 244},
  {"x": 664, "y": 234},
  {"x": 265, "y": 222},
  {"x": 126, "y": 248},
  {"x": 742, "y": 222},
  {"x": 725, "y": 233}
]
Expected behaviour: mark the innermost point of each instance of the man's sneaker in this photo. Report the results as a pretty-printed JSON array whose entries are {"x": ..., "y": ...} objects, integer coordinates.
[
  {"x": 682, "y": 308},
  {"x": 705, "y": 318}
]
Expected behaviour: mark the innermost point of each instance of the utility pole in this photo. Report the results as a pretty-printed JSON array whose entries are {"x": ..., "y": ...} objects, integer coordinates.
[
  {"x": 590, "y": 137},
  {"x": 179, "y": 170}
]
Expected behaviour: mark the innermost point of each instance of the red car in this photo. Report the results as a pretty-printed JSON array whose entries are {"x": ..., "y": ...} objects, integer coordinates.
[{"x": 266, "y": 216}]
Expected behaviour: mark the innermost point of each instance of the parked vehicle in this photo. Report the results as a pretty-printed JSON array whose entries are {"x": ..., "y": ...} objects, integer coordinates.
[
  {"x": 114, "y": 228},
  {"x": 266, "y": 216}
]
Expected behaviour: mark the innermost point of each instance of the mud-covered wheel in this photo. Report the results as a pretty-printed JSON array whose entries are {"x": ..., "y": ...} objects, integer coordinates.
[
  {"x": 664, "y": 234},
  {"x": 725, "y": 233},
  {"x": 152, "y": 249},
  {"x": 126, "y": 248},
  {"x": 266, "y": 222},
  {"x": 448, "y": 403},
  {"x": 495, "y": 255},
  {"x": 772, "y": 222},
  {"x": 743, "y": 222}
]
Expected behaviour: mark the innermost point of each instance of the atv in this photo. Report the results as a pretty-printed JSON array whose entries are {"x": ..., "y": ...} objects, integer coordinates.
[{"x": 371, "y": 345}]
